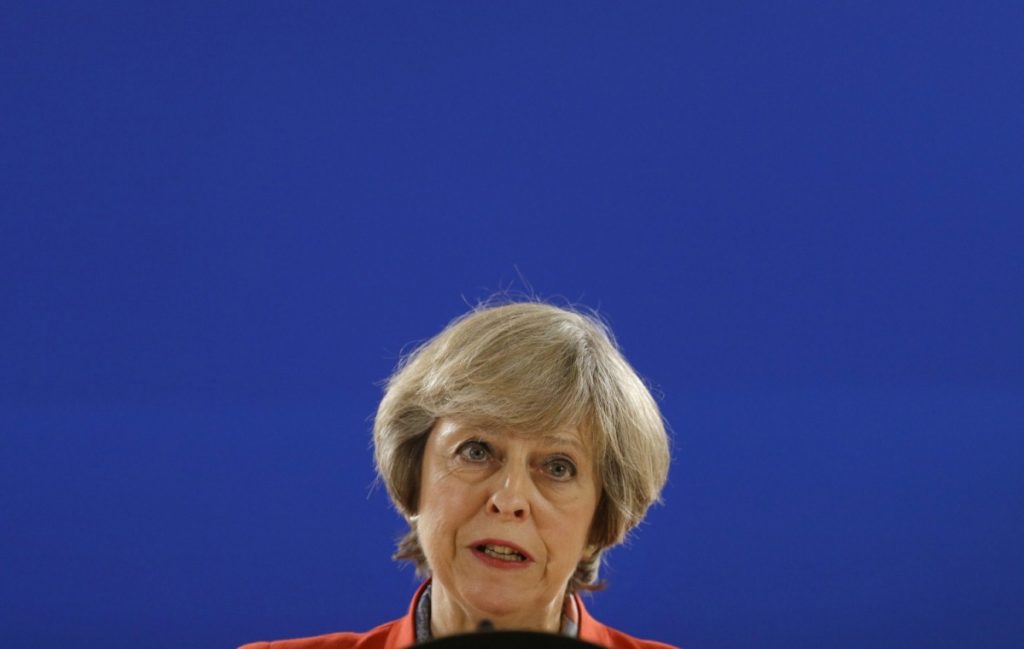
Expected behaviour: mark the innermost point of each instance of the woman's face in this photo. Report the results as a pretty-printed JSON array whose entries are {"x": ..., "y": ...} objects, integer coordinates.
[{"x": 504, "y": 519}]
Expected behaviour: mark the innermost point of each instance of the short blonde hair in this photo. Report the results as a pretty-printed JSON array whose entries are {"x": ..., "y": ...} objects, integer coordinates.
[{"x": 528, "y": 366}]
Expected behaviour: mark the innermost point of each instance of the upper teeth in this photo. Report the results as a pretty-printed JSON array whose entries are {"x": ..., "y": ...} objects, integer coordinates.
[{"x": 504, "y": 553}]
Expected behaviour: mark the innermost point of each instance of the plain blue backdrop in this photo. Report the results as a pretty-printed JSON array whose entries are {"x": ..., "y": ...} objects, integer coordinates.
[{"x": 221, "y": 224}]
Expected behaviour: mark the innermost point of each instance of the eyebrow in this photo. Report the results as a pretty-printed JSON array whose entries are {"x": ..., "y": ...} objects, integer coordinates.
[
  {"x": 563, "y": 439},
  {"x": 554, "y": 439}
]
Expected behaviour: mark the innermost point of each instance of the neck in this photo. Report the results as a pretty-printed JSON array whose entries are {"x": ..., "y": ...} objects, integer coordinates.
[{"x": 450, "y": 617}]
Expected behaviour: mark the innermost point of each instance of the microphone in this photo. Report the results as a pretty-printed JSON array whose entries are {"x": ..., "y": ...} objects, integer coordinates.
[{"x": 485, "y": 625}]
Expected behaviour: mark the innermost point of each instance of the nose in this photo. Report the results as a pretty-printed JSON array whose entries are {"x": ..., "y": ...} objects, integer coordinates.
[{"x": 510, "y": 499}]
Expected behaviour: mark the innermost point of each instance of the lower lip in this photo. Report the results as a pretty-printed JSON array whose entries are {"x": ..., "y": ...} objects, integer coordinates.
[{"x": 500, "y": 564}]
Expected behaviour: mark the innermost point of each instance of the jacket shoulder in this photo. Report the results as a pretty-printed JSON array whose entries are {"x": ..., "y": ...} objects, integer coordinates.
[
  {"x": 374, "y": 639},
  {"x": 619, "y": 640}
]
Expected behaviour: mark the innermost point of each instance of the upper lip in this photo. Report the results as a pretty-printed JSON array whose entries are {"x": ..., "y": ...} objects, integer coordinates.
[{"x": 507, "y": 544}]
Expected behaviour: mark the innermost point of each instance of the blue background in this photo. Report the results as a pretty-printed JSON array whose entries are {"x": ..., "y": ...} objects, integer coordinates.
[{"x": 221, "y": 225}]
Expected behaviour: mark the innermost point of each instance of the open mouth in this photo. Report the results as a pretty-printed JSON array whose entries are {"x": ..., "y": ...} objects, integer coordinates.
[{"x": 501, "y": 552}]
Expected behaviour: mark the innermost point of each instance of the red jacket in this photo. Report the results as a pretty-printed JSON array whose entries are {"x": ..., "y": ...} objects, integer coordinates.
[{"x": 402, "y": 633}]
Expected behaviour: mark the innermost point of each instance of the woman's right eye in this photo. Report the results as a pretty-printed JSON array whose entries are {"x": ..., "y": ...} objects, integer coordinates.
[{"x": 474, "y": 451}]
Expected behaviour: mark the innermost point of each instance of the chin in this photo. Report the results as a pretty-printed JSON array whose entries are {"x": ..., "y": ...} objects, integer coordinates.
[{"x": 495, "y": 600}]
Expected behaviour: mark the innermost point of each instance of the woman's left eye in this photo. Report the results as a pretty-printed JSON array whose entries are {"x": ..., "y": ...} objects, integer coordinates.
[
  {"x": 561, "y": 469},
  {"x": 474, "y": 451}
]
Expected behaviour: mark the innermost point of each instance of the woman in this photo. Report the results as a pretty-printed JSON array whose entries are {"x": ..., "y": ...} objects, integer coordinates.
[{"x": 519, "y": 445}]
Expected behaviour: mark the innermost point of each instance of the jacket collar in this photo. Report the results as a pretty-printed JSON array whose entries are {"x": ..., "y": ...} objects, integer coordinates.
[
  {"x": 403, "y": 633},
  {"x": 590, "y": 629}
]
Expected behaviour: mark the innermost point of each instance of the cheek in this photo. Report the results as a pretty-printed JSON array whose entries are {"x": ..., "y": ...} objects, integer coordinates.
[
  {"x": 445, "y": 507},
  {"x": 576, "y": 526},
  {"x": 572, "y": 522}
]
